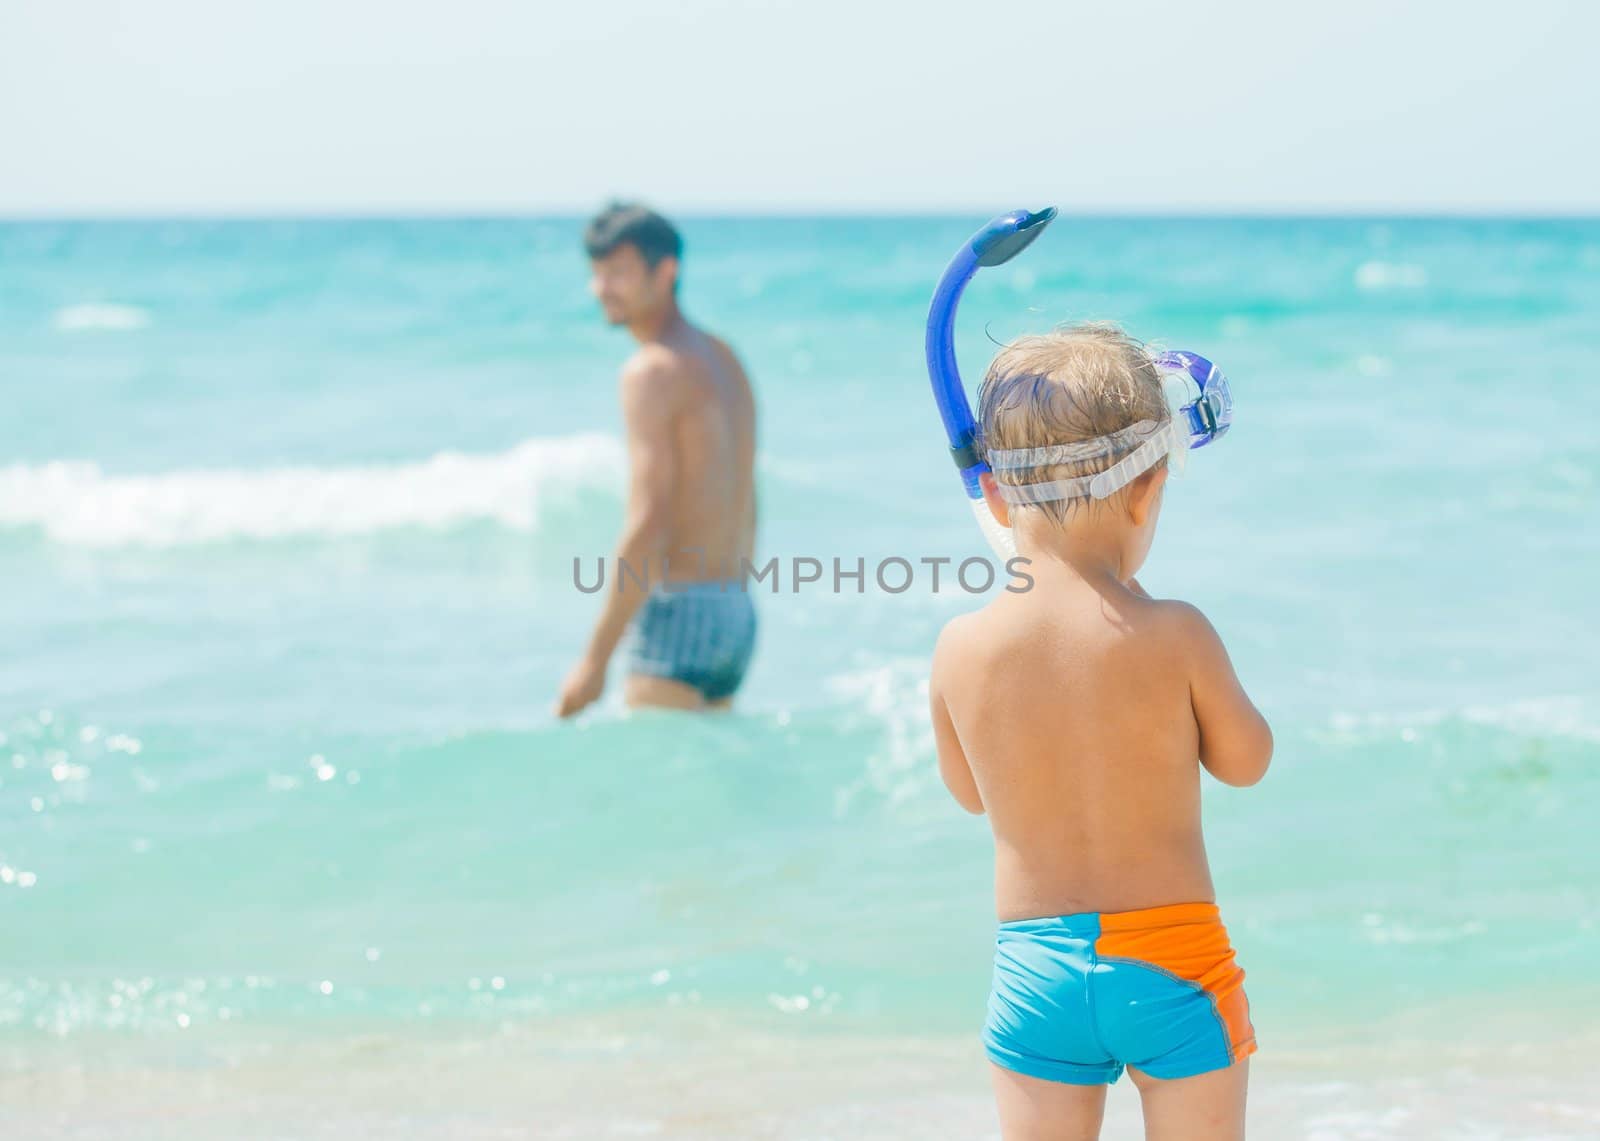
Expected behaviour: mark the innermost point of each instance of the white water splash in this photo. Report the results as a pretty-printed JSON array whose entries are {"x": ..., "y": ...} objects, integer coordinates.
[
  {"x": 77, "y": 504},
  {"x": 101, "y": 318},
  {"x": 1374, "y": 275}
]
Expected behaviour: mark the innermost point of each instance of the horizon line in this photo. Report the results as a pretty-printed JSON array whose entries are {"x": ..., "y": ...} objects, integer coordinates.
[{"x": 1307, "y": 212}]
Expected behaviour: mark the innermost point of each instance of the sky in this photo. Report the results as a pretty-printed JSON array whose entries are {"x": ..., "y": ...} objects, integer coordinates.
[{"x": 297, "y": 107}]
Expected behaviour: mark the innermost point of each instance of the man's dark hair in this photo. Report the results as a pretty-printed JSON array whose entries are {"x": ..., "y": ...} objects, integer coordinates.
[{"x": 629, "y": 223}]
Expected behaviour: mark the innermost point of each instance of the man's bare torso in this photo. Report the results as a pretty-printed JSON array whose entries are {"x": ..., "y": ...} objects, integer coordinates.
[{"x": 712, "y": 511}]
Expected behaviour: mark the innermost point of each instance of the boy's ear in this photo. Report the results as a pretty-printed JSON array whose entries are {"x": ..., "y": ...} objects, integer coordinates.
[
  {"x": 998, "y": 507},
  {"x": 1144, "y": 492}
]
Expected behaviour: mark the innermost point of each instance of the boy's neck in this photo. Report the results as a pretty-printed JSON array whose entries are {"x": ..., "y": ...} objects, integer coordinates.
[{"x": 1087, "y": 546}]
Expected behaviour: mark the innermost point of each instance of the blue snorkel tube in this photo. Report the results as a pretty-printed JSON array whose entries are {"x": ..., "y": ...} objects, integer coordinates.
[
  {"x": 995, "y": 244},
  {"x": 1204, "y": 403}
]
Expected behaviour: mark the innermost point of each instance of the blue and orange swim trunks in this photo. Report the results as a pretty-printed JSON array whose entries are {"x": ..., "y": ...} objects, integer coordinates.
[{"x": 1077, "y": 998}]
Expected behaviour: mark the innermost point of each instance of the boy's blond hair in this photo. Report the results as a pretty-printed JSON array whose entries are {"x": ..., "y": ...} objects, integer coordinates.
[{"x": 1072, "y": 384}]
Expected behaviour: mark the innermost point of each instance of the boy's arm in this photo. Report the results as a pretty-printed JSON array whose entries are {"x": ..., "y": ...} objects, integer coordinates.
[
  {"x": 953, "y": 766},
  {"x": 1235, "y": 740}
]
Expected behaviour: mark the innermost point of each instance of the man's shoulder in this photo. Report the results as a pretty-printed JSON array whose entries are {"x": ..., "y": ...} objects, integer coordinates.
[
  {"x": 654, "y": 377},
  {"x": 722, "y": 347},
  {"x": 652, "y": 362}
]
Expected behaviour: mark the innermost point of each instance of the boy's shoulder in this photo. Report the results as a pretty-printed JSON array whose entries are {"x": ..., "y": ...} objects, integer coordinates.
[
  {"x": 1177, "y": 619},
  {"x": 958, "y": 642},
  {"x": 958, "y": 632},
  {"x": 1172, "y": 612},
  {"x": 1172, "y": 623}
]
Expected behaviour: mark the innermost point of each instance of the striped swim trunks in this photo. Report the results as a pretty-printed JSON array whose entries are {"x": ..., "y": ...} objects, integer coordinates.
[{"x": 700, "y": 633}]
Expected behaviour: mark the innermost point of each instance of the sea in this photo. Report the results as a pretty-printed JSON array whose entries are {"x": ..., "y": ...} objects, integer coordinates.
[{"x": 292, "y": 514}]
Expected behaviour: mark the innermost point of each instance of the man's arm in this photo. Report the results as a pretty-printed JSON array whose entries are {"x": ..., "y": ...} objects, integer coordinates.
[{"x": 650, "y": 398}]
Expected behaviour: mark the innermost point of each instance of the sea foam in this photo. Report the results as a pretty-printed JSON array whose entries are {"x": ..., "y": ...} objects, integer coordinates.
[
  {"x": 1375, "y": 275},
  {"x": 76, "y": 503},
  {"x": 101, "y": 317}
]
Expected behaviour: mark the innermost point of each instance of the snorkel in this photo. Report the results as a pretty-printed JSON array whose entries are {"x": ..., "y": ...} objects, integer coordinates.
[{"x": 1204, "y": 406}]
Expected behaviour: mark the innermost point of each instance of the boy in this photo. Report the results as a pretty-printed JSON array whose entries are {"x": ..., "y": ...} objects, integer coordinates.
[{"x": 1074, "y": 714}]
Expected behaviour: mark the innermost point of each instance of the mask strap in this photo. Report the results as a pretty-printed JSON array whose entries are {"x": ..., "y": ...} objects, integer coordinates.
[
  {"x": 1103, "y": 484},
  {"x": 1054, "y": 489},
  {"x": 1010, "y": 459},
  {"x": 1135, "y": 464}
]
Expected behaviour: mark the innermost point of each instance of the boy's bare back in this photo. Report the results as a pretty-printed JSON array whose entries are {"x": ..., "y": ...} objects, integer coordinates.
[{"x": 1074, "y": 704}]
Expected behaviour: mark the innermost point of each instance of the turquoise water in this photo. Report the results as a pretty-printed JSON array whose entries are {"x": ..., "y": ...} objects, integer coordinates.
[{"x": 287, "y": 515}]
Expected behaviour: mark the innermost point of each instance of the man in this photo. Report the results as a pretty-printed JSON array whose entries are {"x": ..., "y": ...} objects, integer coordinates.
[{"x": 689, "y": 416}]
